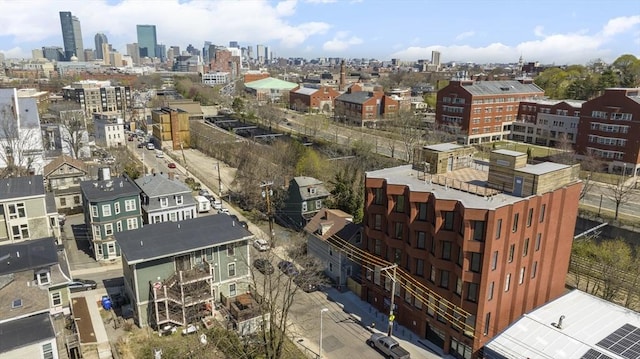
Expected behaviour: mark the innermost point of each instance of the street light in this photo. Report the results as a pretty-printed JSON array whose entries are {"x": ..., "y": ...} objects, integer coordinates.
[{"x": 323, "y": 310}]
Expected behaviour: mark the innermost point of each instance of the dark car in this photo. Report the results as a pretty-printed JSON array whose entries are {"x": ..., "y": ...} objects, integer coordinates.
[
  {"x": 140, "y": 145},
  {"x": 171, "y": 165},
  {"x": 288, "y": 268},
  {"x": 307, "y": 281},
  {"x": 80, "y": 285},
  {"x": 263, "y": 265}
]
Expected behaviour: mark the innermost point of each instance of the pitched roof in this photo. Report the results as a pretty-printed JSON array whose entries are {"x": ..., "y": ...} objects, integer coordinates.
[
  {"x": 16, "y": 187},
  {"x": 484, "y": 88},
  {"x": 60, "y": 160},
  {"x": 587, "y": 321},
  {"x": 31, "y": 254},
  {"x": 25, "y": 331},
  {"x": 355, "y": 97},
  {"x": 334, "y": 220},
  {"x": 169, "y": 238},
  {"x": 270, "y": 83},
  {"x": 304, "y": 183},
  {"x": 306, "y": 91},
  {"x": 157, "y": 185},
  {"x": 114, "y": 188}
]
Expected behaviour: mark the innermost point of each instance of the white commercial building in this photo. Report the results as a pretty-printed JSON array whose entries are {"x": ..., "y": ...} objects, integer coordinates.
[{"x": 215, "y": 78}]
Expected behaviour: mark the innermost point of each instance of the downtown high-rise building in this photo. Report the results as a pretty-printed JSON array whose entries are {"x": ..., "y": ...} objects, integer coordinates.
[
  {"x": 260, "y": 54},
  {"x": 134, "y": 52},
  {"x": 100, "y": 39},
  {"x": 147, "y": 40},
  {"x": 71, "y": 36}
]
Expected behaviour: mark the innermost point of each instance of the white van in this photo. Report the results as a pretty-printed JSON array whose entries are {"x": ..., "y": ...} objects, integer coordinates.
[
  {"x": 150, "y": 146},
  {"x": 159, "y": 154},
  {"x": 203, "y": 204}
]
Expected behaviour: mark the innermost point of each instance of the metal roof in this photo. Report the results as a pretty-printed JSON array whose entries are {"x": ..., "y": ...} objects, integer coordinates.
[
  {"x": 157, "y": 185},
  {"x": 18, "y": 187},
  {"x": 487, "y": 88},
  {"x": 25, "y": 331},
  {"x": 166, "y": 239},
  {"x": 587, "y": 320},
  {"x": 31, "y": 254},
  {"x": 270, "y": 83},
  {"x": 355, "y": 97},
  {"x": 118, "y": 187},
  {"x": 306, "y": 91}
]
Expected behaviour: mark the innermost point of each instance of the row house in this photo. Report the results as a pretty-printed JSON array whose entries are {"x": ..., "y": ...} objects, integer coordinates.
[
  {"x": 312, "y": 99},
  {"x": 547, "y": 122},
  {"x": 110, "y": 206},
  {"x": 28, "y": 212},
  {"x": 609, "y": 127},
  {"x": 34, "y": 280},
  {"x": 364, "y": 108},
  {"x": 482, "y": 111},
  {"x": 63, "y": 176},
  {"x": 474, "y": 250},
  {"x": 175, "y": 272},
  {"x": 165, "y": 199},
  {"x": 98, "y": 96}
]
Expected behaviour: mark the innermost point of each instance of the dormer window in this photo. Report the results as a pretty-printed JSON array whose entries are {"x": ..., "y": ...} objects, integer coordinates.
[
  {"x": 43, "y": 277},
  {"x": 179, "y": 200},
  {"x": 16, "y": 303},
  {"x": 312, "y": 190},
  {"x": 164, "y": 202}
]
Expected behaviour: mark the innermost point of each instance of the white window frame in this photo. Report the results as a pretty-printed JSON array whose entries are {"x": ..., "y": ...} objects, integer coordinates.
[
  {"x": 233, "y": 290},
  {"x": 47, "y": 351},
  {"x": 132, "y": 223},
  {"x": 94, "y": 211},
  {"x": 108, "y": 229},
  {"x": 318, "y": 203},
  {"x": 119, "y": 226},
  {"x": 111, "y": 248},
  {"x": 106, "y": 210},
  {"x": 164, "y": 202},
  {"x": 56, "y": 297},
  {"x": 23, "y": 231},
  {"x": 97, "y": 234},
  {"x": 17, "y": 210},
  {"x": 179, "y": 200},
  {"x": 116, "y": 207},
  {"x": 173, "y": 216},
  {"x": 130, "y": 205},
  {"x": 304, "y": 206},
  {"x": 231, "y": 267}
]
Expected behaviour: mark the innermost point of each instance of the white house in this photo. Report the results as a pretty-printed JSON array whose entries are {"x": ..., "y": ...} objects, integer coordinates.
[
  {"x": 109, "y": 130},
  {"x": 20, "y": 135},
  {"x": 165, "y": 199}
]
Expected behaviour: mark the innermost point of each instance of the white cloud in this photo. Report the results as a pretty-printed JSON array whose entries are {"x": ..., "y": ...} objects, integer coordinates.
[
  {"x": 465, "y": 35},
  {"x": 321, "y": 1},
  {"x": 250, "y": 22},
  {"x": 620, "y": 24},
  {"x": 341, "y": 42},
  {"x": 575, "y": 47}
]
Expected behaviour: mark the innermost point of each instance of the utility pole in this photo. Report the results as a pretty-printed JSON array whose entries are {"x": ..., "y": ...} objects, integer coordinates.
[
  {"x": 219, "y": 180},
  {"x": 266, "y": 194},
  {"x": 392, "y": 276}
]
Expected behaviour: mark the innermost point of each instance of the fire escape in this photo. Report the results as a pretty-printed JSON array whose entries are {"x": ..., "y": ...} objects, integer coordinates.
[{"x": 184, "y": 297}]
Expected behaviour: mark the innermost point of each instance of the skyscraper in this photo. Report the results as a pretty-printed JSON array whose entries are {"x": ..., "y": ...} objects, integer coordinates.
[
  {"x": 71, "y": 36},
  {"x": 147, "y": 40},
  {"x": 260, "y": 54},
  {"x": 234, "y": 44},
  {"x": 435, "y": 59},
  {"x": 100, "y": 39},
  {"x": 134, "y": 52}
]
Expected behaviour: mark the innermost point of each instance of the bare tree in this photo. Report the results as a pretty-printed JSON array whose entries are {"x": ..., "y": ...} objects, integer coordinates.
[
  {"x": 439, "y": 134},
  {"x": 72, "y": 128},
  {"x": 565, "y": 153},
  {"x": 19, "y": 144},
  {"x": 589, "y": 164},
  {"x": 620, "y": 193},
  {"x": 408, "y": 126}
]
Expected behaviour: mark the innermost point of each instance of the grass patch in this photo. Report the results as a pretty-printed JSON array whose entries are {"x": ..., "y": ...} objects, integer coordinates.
[{"x": 610, "y": 178}]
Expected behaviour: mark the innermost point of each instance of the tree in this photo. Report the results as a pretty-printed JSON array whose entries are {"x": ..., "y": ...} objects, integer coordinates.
[
  {"x": 629, "y": 67},
  {"x": 615, "y": 257},
  {"x": 238, "y": 105},
  {"x": 18, "y": 144},
  {"x": 565, "y": 153},
  {"x": 348, "y": 192},
  {"x": 73, "y": 130},
  {"x": 620, "y": 193},
  {"x": 410, "y": 132}
]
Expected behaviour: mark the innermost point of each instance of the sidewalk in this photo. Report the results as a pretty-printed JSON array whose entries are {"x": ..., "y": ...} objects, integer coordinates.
[{"x": 366, "y": 314}]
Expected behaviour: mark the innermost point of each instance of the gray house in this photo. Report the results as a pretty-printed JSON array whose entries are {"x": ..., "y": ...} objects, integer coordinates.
[
  {"x": 165, "y": 199},
  {"x": 326, "y": 234},
  {"x": 174, "y": 273},
  {"x": 306, "y": 196}
]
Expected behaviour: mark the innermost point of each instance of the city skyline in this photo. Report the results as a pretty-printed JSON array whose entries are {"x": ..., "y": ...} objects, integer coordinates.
[{"x": 483, "y": 31}]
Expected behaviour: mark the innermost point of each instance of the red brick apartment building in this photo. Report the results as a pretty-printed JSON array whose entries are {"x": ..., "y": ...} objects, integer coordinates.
[
  {"x": 609, "y": 128},
  {"x": 306, "y": 99},
  {"x": 482, "y": 111},
  {"x": 364, "y": 107},
  {"x": 475, "y": 249}
]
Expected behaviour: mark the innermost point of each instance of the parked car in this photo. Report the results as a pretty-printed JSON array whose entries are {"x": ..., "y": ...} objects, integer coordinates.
[
  {"x": 80, "y": 285},
  {"x": 140, "y": 145},
  {"x": 171, "y": 165},
  {"x": 307, "y": 281},
  {"x": 288, "y": 268},
  {"x": 388, "y": 346},
  {"x": 203, "y": 192},
  {"x": 261, "y": 245},
  {"x": 223, "y": 210},
  {"x": 150, "y": 146},
  {"x": 264, "y": 266}
]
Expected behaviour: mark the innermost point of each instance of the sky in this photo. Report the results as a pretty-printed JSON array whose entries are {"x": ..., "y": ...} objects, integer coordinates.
[{"x": 479, "y": 31}]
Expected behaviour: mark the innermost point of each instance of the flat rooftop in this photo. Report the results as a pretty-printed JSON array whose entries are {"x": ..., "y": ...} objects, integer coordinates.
[{"x": 467, "y": 185}]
